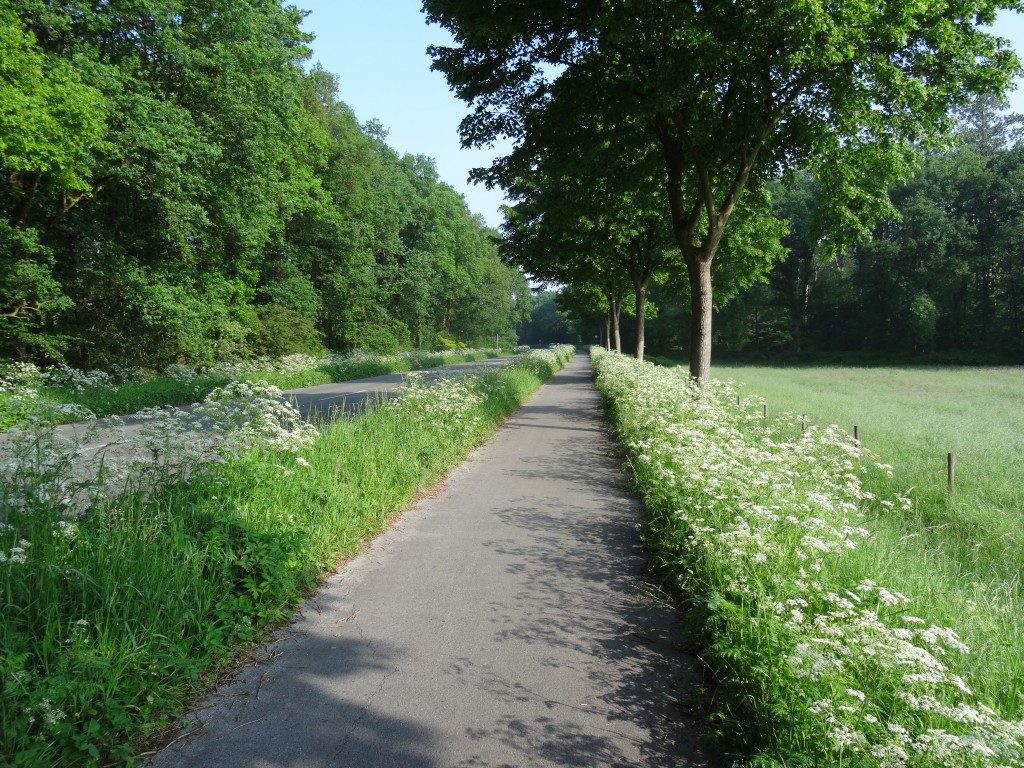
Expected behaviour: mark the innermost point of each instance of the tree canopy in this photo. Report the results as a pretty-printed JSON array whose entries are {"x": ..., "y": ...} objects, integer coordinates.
[
  {"x": 176, "y": 183},
  {"x": 940, "y": 279},
  {"x": 729, "y": 96}
]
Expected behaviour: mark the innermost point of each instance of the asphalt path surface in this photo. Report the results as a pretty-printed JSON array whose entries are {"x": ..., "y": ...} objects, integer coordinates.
[{"x": 501, "y": 622}]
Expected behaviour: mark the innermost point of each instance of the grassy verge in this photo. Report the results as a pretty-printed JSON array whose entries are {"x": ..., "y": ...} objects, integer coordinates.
[
  {"x": 834, "y": 623},
  {"x": 111, "y": 622}
]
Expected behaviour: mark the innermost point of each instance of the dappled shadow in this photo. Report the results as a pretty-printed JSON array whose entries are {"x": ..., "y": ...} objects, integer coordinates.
[
  {"x": 299, "y": 705},
  {"x": 583, "y": 597},
  {"x": 581, "y": 610}
]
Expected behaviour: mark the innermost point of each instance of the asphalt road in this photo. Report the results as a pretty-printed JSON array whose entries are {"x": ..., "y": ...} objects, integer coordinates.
[
  {"x": 105, "y": 442},
  {"x": 329, "y": 400},
  {"x": 499, "y": 623}
]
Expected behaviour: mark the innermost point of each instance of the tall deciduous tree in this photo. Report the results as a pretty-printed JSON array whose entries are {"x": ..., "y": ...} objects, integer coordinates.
[
  {"x": 603, "y": 207},
  {"x": 941, "y": 280},
  {"x": 732, "y": 94},
  {"x": 49, "y": 121},
  {"x": 556, "y": 251}
]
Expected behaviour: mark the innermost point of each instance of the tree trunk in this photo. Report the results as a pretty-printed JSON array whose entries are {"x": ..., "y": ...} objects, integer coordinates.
[
  {"x": 699, "y": 270},
  {"x": 615, "y": 331},
  {"x": 641, "y": 305},
  {"x": 608, "y": 330},
  {"x": 616, "y": 310}
]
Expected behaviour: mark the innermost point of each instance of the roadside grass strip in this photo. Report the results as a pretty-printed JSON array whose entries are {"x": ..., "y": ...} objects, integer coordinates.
[
  {"x": 759, "y": 529},
  {"x": 125, "y": 590},
  {"x": 60, "y": 392}
]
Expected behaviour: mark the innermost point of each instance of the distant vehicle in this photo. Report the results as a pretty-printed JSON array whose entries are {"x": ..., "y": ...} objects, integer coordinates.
[{"x": 552, "y": 345}]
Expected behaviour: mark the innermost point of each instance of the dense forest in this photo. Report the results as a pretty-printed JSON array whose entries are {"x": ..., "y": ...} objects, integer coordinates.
[
  {"x": 939, "y": 280},
  {"x": 176, "y": 183},
  {"x": 942, "y": 280}
]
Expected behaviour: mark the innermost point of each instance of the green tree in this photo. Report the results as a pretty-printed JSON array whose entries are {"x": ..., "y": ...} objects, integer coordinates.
[
  {"x": 546, "y": 323},
  {"x": 731, "y": 94},
  {"x": 556, "y": 250},
  {"x": 940, "y": 276},
  {"x": 202, "y": 153},
  {"x": 603, "y": 208},
  {"x": 334, "y": 242},
  {"x": 50, "y": 121}
]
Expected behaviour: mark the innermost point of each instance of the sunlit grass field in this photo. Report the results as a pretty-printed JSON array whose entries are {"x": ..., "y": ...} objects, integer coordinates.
[
  {"x": 962, "y": 552},
  {"x": 915, "y": 417}
]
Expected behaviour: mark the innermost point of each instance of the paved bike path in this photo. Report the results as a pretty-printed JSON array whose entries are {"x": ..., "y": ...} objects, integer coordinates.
[{"x": 498, "y": 623}]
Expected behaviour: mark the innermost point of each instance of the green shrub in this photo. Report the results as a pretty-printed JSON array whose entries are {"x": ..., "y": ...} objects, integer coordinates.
[{"x": 284, "y": 332}]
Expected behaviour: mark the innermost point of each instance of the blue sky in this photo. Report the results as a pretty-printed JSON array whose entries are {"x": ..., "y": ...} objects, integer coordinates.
[{"x": 378, "y": 52}]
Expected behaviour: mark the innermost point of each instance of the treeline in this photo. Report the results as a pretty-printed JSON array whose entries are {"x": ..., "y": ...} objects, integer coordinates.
[
  {"x": 941, "y": 281},
  {"x": 175, "y": 185}
]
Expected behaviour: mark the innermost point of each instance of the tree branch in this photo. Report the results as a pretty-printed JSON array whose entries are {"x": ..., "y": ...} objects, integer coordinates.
[
  {"x": 67, "y": 205},
  {"x": 23, "y": 307}
]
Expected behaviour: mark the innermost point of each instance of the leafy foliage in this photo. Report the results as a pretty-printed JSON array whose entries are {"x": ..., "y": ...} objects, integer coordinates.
[
  {"x": 939, "y": 280},
  {"x": 175, "y": 186},
  {"x": 726, "y": 97}
]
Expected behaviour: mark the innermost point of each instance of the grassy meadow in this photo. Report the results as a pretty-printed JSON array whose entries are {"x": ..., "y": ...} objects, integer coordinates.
[
  {"x": 914, "y": 417},
  {"x": 852, "y": 612},
  {"x": 962, "y": 552}
]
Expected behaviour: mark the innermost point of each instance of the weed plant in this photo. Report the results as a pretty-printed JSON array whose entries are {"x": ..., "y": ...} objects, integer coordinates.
[
  {"x": 114, "y": 616},
  {"x": 822, "y": 652}
]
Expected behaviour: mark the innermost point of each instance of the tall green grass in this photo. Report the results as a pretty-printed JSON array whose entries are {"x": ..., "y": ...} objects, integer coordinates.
[{"x": 112, "y": 622}]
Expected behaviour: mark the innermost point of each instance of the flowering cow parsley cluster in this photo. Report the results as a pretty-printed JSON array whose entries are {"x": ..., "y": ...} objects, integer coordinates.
[
  {"x": 17, "y": 553},
  {"x": 72, "y": 468},
  {"x": 757, "y": 528},
  {"x": 17, "y": 400},
  {"x": 447, "y": 403},
  {"x": 544, "y": 362},
  {"x": 181, "y": 373},
  {"x": 25, "y": 374},
  {"x": 65, "y": 376},
  {"x": 247, "y": 414}
]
